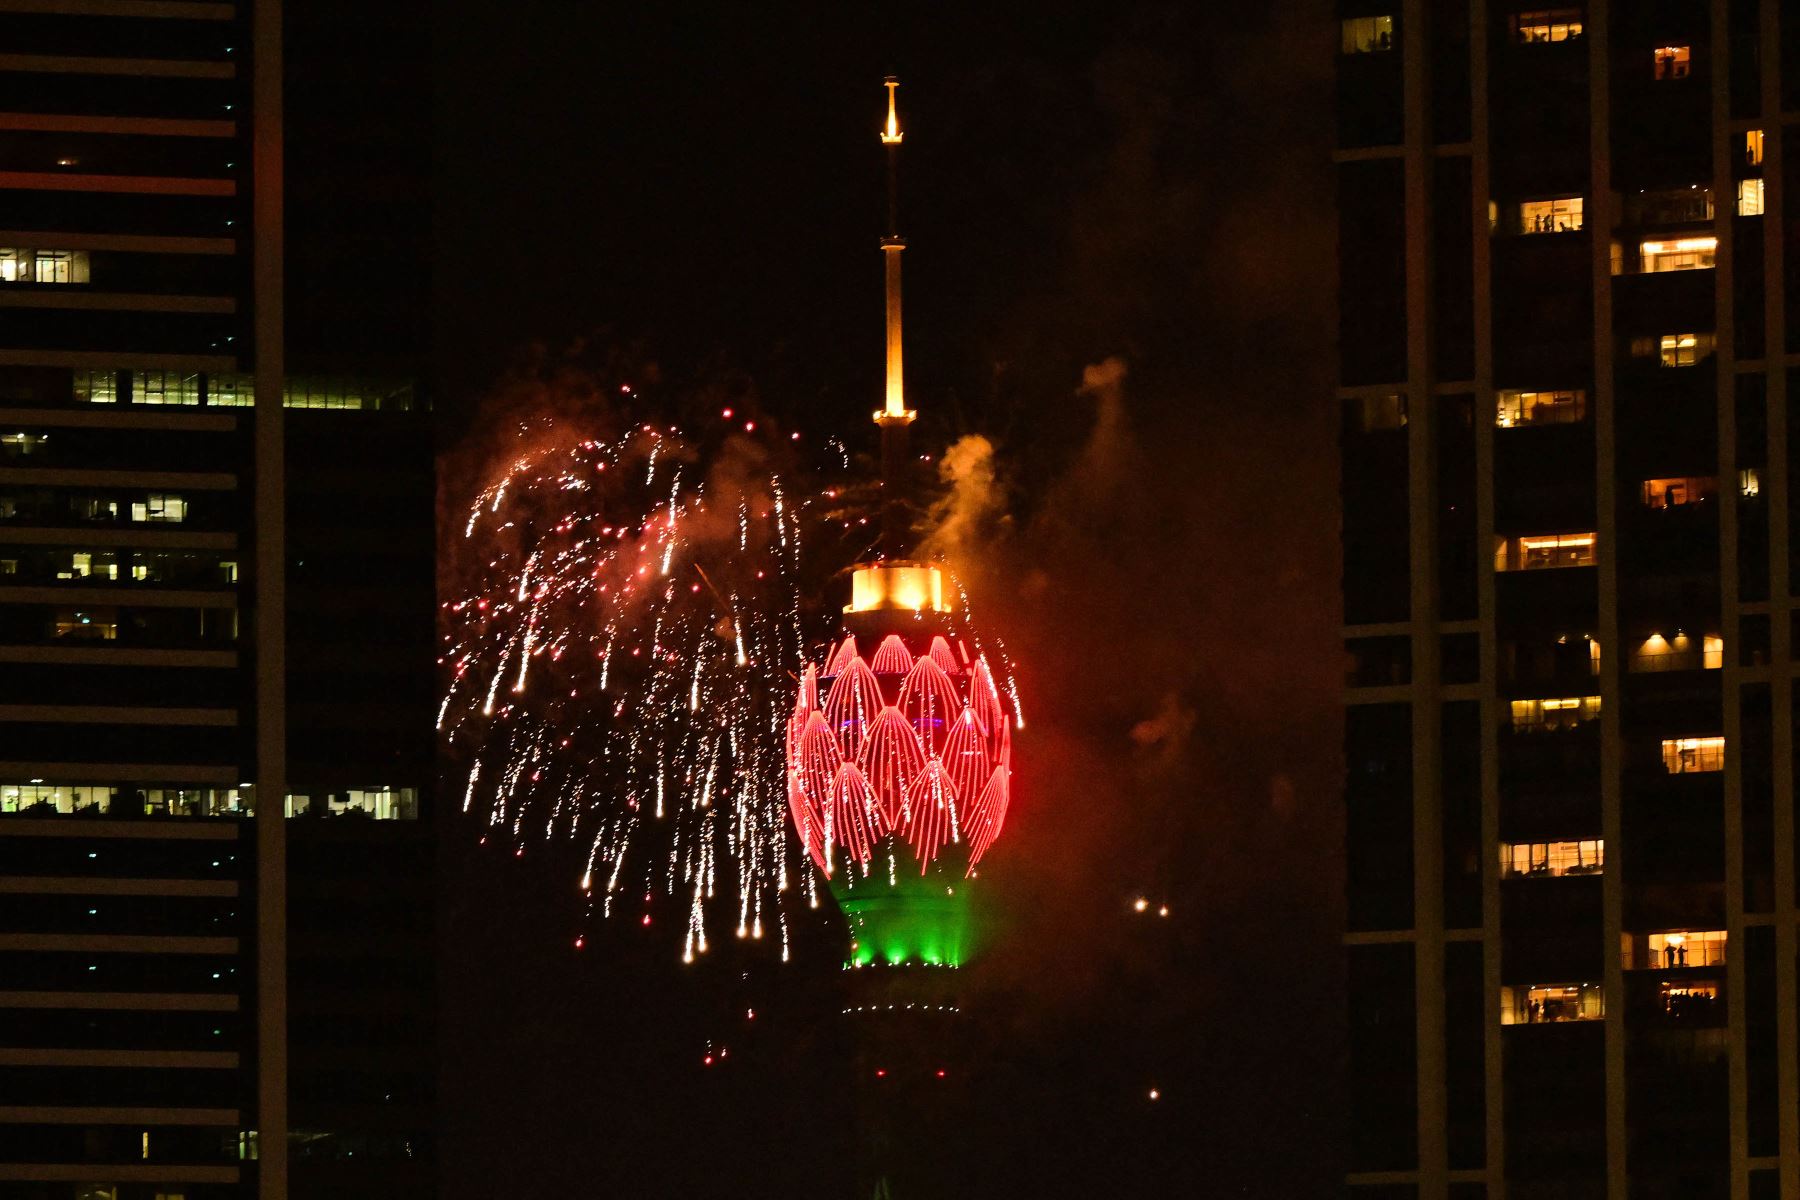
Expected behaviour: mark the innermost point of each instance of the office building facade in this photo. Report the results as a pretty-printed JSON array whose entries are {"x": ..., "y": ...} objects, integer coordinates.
[
  {"x": 1570, "y": 320},
  {"x": 216, "y": 603}
]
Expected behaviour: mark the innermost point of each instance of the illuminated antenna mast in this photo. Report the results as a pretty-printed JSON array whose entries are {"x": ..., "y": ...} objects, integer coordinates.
[{"x": 894, "y": 416}]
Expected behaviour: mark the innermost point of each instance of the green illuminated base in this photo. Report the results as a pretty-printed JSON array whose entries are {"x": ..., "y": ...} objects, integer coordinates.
[{"x": 913, "y": 919}]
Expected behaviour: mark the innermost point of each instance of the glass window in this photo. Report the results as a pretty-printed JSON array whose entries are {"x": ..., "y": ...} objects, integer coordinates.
[
  {"x": 1368, "y": 35},
  {"x": 85, "y": 625},
  {"x": 1689, "y": 998},
  {"x": 1677, "y": 254},
  {"x": 1554, "y": 714},
  {"x": 164, "y": 387},
  {"x": 1750, "y": 198},
  {"x": 1559, "y": 215},
  {"x": 1687, "y": 756},
  {"x": 94, "y": 508},
  {"x": 231, "y": 391},
  {"x": 1546, "y": 1003},
  {"x": 1547, "y": 25},
  {"x": 1675, "y": 349},
  {"x": 1679, "y": 653},
  {"x": 1674, "y": 948},
  {"x": 1675, "y": 492},
  {"x": 43, "y": 266},
  {"x": 160, "y": 506},
  {"x": 377, "y": 803},
  {"x": 97, "y": 387},
  {"x": 1749, "y": 483},
  {"x": 40, "y": 799},
  {"x": 1669, "y": 206},
  {"x": 22, "y": 445},
  {"x": 1540, "y": 408},
  {"x": 1369, "y": 414},
  {"x": 1672, "y": 62},
  {"x": 1535, "y": 552},
  {"x": 1546, "y": 860},
  {"x": 1753, "y": 147},
  {"x": 59, "y": 266}
]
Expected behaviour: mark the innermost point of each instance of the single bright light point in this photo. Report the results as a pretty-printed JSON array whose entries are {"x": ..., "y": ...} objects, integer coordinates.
[
  {"x": 1155, "y": 1094},
  {"x": 1140, "y": 904}
]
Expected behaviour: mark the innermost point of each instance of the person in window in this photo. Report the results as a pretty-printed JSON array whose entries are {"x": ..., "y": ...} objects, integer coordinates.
[
  {"x": 1384, "y": 40},
  {"x": 1669, "y": 955}
]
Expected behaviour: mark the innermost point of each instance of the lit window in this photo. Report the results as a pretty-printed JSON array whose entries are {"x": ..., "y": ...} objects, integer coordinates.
[
  {"x": 1546, "y": 860},
  {"x": 160, "y": 506},
  {"x": 1749, "y": 483},
  {"x": 1677, "y": 254},
  {"x": 93, "y": 508},
  {"x": 1540, "y": 408},
  {"x": 351, "y": 393},
  {"x": 231, "y": 391},
  {"x": 1753, "y": 147},
  {"x": 1672, "y": 62},
  {"x": 43, "y": 266},
  {"x": 1533, "y": 552},
  {"x": 1689, "y": 998},
  {"x": 164, "y": 387},
  {"x": 1689, "y": 756},
  {"x": 378, "y": 803},
  {"x": 97, "y": 387},
  {"x": 88, "y": 565},
  {"x": 1547, "y": 25},
  {"x": 1675, "y": 948},
  {"x": 85, "y": 625},
  {"x": 1553, "y": 715},
  {"x": 1750, "y": 198},
  {"x": 1371, "y": 414},
  {"x": 1561, "y": 215},
  {"x": 1675, "y": 492},
  {"x": 1679, "y": 653},
  {"x": 1544, "y": 1003},
  {"x": 19, "y": 445},
  {"x": 59, "y": 266},
  {"x": 1674, "y": 349},
  {"x": 1368, "y": 35}
]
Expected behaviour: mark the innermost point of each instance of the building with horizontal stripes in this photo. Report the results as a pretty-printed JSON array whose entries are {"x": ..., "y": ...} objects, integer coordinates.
[
  {"x": 1567, "y": 378},
  {"x": 216, "y": 601}
]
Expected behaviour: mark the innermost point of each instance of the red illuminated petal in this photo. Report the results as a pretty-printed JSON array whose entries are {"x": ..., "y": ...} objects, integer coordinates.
[
  {"x": 852, "y": 705},
  {"x": 891, "y": 758},
  {"x": 892, "y": 658},
  {"x": 928, "y": 701}
]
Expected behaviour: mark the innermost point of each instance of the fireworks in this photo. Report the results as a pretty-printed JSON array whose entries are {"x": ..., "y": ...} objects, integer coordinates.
[{"x": 620, "y": 667}]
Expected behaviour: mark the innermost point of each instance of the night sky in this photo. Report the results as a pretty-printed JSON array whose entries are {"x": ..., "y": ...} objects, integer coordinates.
[{"x": 1119, "y": 272}]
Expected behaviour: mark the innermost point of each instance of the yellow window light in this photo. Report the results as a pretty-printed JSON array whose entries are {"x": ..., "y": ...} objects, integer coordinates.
[{"x": 913, "y": 587}]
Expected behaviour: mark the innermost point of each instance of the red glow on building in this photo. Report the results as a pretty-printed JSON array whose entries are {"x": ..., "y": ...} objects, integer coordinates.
[{"x": 916, "y": 743}]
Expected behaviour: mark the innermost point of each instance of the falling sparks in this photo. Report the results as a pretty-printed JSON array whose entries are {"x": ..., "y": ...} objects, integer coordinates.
[{"x": 621, "y": 662}]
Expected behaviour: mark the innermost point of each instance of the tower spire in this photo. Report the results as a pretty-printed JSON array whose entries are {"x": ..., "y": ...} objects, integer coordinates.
[
  {"x": 892, "y": 244},
  {"x": 894, "y": 417}
]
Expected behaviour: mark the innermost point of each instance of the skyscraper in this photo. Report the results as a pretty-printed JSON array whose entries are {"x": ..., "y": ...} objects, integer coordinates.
[
  {"x": 1565, "y": 363},
  {"x": 216, "y": 604}
]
